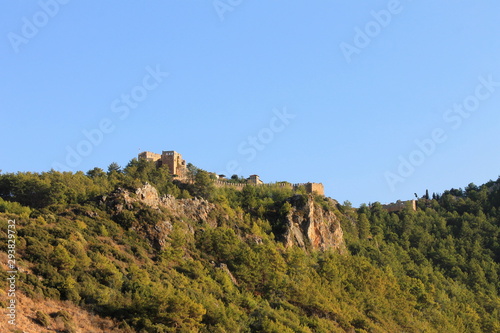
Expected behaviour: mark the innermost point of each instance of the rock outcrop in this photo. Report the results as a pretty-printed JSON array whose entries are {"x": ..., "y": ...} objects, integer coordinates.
[
  {"x": 310, "y": 226},
  {"x": 195, "y": 209},
  {"x": 183, "y": 212}
]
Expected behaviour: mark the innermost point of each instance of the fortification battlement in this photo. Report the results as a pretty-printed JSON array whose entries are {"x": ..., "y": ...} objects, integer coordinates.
[
  {"x": 170, "y": 158},
  {"x": 400, "y": 205},
  {"x": 178, "y": 167},
  {"x": 149, "y": 156},
  {"x": 316, "y": 188},
  {"x": 221, "y": 183}
]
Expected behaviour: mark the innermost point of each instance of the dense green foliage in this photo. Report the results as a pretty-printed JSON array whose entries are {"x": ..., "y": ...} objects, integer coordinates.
[{"x": 433, "y": 270}]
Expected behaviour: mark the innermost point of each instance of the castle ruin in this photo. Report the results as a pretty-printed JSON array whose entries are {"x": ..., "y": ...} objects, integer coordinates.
[
  {"x": 400, "y": 205},
  {"x": 172, "y": 159},
  {"x": 178, "y": 168},
  {"x": 316, "y": 188},
  {"x": 255, "y": 180}
]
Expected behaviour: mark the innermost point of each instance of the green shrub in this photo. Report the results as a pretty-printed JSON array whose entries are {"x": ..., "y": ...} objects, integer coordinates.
[{"x": 42, "y": 318}]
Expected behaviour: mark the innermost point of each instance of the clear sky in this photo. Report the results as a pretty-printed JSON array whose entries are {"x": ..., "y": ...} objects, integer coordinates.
[{"x": 377, "y": 100}]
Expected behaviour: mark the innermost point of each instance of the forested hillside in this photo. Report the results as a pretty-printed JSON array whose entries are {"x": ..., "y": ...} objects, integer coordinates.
[{"x": 102, "y": 252}]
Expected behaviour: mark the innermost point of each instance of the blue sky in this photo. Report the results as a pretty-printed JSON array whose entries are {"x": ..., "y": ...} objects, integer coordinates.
[{"x": 376, "y": 100}]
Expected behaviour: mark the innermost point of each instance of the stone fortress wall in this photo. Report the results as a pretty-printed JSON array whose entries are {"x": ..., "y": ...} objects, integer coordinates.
[
  {"x": 316, "y": 188},
  {"x": 170, "y": 158},
  {"x": 178, "y": 167},
  {"x": 149, "y": 156},
  {"x": 400, "y": 205}
]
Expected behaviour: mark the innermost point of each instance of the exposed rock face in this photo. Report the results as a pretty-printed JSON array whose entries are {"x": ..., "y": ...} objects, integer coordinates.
[
  {"x": 310, "y": 226},
  {"x": 148, "y": 195},
  {"x": 195, "y": 209},
  {"x": 181, "y": 211}
]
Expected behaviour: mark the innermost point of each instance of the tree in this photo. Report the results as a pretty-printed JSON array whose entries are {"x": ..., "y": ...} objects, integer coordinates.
[
  {"x": 203, "y": 184},
  {"x": 114, "y": 167},
  {"x": 363, "y": 226},
  {"x": 191, "y": 171},
  {"x": 238, "y": 179},
  {"x": 62, "y": 259},
  {"x": 96, "y": 173}
]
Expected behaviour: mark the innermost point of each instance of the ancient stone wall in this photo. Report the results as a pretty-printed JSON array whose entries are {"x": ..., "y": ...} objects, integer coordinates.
[
  {"x": 400, "y": 205},
  {"x": 237, "y": 186},
  {"x": 254, "y": 179},
  {"x": 177, "y": 166},
  {"x": 149, "y": 156},
  {"x": 317, "y": 188},
  {"x": 175, "y": 163}
]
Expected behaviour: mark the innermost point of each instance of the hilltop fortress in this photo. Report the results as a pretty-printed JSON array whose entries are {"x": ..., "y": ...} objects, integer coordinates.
[
  {"x": 171, "y": 158},
  {"x": 178, "y": 167}
]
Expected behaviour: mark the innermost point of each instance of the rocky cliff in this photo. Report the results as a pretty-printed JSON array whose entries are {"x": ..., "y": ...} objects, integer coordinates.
[
  {"x": 311, "y": 226},
  {"x": 308, "y": 224},
  {"x": 164, "y": 212},
  {"x": 193, "y": 209}
]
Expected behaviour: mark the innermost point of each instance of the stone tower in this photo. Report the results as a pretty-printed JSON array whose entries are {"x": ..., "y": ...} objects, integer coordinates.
[
  {"x": 149, "y": 156},
  {"x": 255, "y": 180},
  {"x": 175, "y": 163}
]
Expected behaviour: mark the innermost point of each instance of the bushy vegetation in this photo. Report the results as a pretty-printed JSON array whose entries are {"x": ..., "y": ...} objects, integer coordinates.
[{"x": 433, "y": 270}]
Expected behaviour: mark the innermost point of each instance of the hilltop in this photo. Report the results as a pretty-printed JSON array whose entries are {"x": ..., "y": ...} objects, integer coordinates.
[
  {"x": 184, "y": 172},
  {"x": 137, "y": 250}
]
